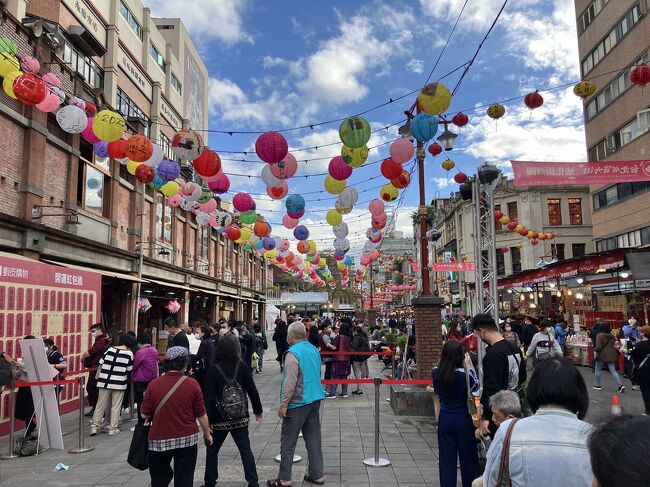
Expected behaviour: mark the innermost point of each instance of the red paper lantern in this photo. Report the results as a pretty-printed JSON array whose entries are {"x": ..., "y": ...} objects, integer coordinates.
[
  {"x": 145, "y": 174},
  {"x": 435, "y": 149},
  {"x": 208, "y": 164},
  {"x": 511, "y": 225},
  {"x": 402, "y": 181},
  {"x": 339, "y": 170},
  {"x": 138, "y": 148},
  {"x": 460, "y": 119},
  {"x": 219, "y": 185},
  {"x": 534, "y": 241},
  {"x": 271, "y": 147},
  {"x": 390, "y": 169},
  {"x": 117, "y": 149},
  {"x": 505, "y": 250},
  {"x": 524, "y": 232},
  {"x": 233, "y": 232},
  {"x": 29, "y": 89},
  {"x": 533, "y": 100},
  {"x": 498, "y": 214},
  {"x": 461, "y": 178},
  {"x": 639, "y": 75},
  {"x": 90, "y": 109}
]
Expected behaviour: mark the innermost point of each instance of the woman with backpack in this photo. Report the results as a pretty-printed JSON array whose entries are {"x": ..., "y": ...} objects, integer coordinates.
[
  {"x": 203, "y": 357},
  {"x": 606, "y": 350},
  {"x": 543, "y": 346},
  {"x": 641, "y": 372},
  {"x": 228, "y": 385},
  {"x": 360, "y": 343}
]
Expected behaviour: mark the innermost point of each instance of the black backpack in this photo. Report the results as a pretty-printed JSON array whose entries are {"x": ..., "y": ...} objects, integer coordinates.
[
  {"x": 234, "y": 400},
  {"x": 7, "y": 371}
]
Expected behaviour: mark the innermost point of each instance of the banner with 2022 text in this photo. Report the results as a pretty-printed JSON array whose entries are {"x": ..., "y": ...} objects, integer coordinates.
[{"x": 529, "y": 173}]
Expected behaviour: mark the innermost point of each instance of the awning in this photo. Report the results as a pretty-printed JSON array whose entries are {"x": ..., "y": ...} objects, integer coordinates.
[
  {"x": 205, "y": 291},
  {"x": 103, "y": 272},
  {"x": 168, "y": 284}
]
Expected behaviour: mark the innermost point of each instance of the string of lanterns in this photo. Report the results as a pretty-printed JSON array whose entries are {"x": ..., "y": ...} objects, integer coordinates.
[{"x": 532, "y": 235}]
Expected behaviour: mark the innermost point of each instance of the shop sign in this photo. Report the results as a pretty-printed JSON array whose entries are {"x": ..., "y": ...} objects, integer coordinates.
[
  {"x": 90, "y": 21},
  {"x": 453, "y": 266},
  {"x": 34, "y": 272},
  {"x": 169, "y": 114},
  {"x": 579, "y": 173},
  {"x": 135, "y": 74}
]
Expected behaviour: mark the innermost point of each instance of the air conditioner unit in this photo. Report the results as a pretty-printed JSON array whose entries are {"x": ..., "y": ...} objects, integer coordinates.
[{"x": 86, "y": 41}]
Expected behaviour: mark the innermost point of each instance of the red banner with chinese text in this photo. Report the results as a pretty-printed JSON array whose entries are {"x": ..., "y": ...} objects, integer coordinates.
[
  {"x": 529, "y": 173},
  {"x": 453, "y": 266}
]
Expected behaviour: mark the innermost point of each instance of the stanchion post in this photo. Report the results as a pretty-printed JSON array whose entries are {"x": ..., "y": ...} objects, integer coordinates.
[
  {"x": 131, "y": 399},
  {"x": 392, "y": 365},
  {"x": 376, "y": 461},
  {"x": 81, "y": 448},
  {"x": 12, "y": 424}
]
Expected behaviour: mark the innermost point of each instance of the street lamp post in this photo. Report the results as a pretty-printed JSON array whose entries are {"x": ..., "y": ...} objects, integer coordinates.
[{"x": 422, "y": 213}]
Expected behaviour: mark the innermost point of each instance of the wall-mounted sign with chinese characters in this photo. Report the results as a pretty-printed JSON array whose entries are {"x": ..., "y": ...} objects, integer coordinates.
[
  {"x": 169, "y": 114},
  {"x": 579, "y": 173},
  {"x": 453, "y": 267},
  {"x": 88, "y": 19},
  {"x": 136, "y": 75}
]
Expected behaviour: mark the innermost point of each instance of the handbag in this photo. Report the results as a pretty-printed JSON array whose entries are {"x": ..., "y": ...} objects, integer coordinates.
[
  {"x": 504, "y": 466},
  {"x": 473, "y": 403},
  {"x": 27, "y": 446},
  {"x": 139, "y": 450}
]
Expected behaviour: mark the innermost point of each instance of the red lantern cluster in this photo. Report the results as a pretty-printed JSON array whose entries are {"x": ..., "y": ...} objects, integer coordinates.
[
  {"x": 390, "y": 169},
  {"x": 639, "y": 75},
  {"x": 533, "y": 100},
  {"x": 435, "y": 149},
  {"x": 460, "y": 119},
  {"x": 505, "y": 250},
  {"x": 461, "y": 178}
]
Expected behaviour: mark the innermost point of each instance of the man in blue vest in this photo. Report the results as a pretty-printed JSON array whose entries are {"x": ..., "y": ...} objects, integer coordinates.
[{"x": 300, "y": 396}]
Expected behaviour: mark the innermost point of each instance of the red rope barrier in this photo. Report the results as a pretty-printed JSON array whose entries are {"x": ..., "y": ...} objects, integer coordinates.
[
  {"x": 24, "y": 383},
  {"x": 356, "y": 353},
  {"x": 79, "y": 372},
  {"x": 407, "y": 382},
  {"x": 411, "y": 382},
  {"x": 347, "y": 381}
]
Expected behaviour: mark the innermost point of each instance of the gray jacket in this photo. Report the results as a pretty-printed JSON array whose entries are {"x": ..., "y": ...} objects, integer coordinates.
[{"x": 547, "y": 449}]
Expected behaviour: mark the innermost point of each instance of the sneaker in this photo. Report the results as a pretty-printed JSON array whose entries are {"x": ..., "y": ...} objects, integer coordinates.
[
  {"x": 621, "y": 389},
  {"x": 597, "y": 388},
  {"x": 636, "y": 388},
  {"x": 330, "y": 396},
  {"x": 132, "y": 428},
  {"x": 93, "y": 431},
  {"x": 343, "y": 395},
  {"x": 113, "y": 431},
  {"x": 90, "y": 413}
]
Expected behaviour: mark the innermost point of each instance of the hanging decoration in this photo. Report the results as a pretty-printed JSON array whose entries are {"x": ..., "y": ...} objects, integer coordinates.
[
  {"x": 355, "y": 157},
  {"x": 355, "y": 132},
  {"x": 271, "y": 147},
  {"x": 434, "y": 99},
  {"x": 533, "y": 100},
  {"x": 584, "y": 89}
]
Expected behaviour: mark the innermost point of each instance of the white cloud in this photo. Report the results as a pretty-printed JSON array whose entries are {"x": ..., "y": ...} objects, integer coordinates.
[
  {"x": 211, "y": 19},
  {"x": 416, "y": 65},
  {"x": 478, "y": 15},
  {"x": 442, "y": 183}
]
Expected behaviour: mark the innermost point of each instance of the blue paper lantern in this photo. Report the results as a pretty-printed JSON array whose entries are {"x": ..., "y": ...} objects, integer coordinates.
[
  {"x": 424, "y": 127},
  {"x": 101, "y": 148},
  {"x": 168, "y": 170},
  {"x": 295, "y": 204},
  {"x": 301, "y": 232},
  {"x": 347, "y": 260},
  {"x": 268, "y": 243}
]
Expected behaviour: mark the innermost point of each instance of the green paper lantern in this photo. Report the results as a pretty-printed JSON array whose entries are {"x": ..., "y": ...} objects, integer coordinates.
[{"x": 355, "y": 132}]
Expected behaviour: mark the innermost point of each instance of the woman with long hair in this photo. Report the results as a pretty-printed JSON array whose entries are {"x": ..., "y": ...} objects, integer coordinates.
[
  {"x": 202, "y": 359},
  {"x": 608, "y": 355},
  {"x": 280, "y": 339},
  {"x": 455, "y": 427},
  {"x": 341, "y": 363}
]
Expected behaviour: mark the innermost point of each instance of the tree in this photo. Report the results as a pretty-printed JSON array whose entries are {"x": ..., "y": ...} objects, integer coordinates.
[{"x": 430, "y": 217}]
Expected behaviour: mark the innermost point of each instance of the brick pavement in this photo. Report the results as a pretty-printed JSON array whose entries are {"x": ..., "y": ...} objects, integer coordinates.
[{"x": 348, "y": 437}]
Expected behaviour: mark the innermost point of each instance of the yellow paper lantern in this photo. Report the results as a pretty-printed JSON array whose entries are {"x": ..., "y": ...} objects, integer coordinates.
[
  {"x": 504, "y": 220},
  {"x": 245, "y": 234},
  {"x": 448, "y": 164},
  {"x": 8, "y": 64},
  {"x": 108, "y": 125},
  {"x": 8, "y": 83},
  {"x": 333, "y": 217},
  {"x": 270, "y": 255},
  {"x": 530, "y": 234},
  {"x": 322, "y": 263},
  {"x": 434, "y": 98},
  {"x": 388, "y": 192},
  {"x": 170, "y": 188},
  {"x": 312, "y": 246},
  {"x": 496, "y": 111},
  {"x": 354, "y": 157},
  {"x": 518, "y": 228},
  {"x": 584, "y": 89},
  {"x": 131, "y": 166},
  {"x": 334, "y": 186}
]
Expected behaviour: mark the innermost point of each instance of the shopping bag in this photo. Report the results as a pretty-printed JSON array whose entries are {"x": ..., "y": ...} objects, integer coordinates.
[{"x": 139, "y": 450}]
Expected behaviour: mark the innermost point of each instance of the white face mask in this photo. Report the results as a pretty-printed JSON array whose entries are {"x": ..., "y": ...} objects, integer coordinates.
[
  {"x": 46, "y": 349},
  {"x": 198, "y": 337}
]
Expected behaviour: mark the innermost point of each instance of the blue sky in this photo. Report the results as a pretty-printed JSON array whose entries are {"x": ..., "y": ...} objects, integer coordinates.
[{"x": 286, "y": 63}]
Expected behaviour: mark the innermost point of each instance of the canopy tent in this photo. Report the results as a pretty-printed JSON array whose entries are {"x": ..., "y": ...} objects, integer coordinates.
[{"x": 272, "y": 312}]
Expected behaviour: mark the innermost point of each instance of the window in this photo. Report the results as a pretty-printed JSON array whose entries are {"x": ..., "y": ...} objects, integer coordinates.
[
  {"x": 498, "y": 226},
  {"x": 557, "y": 251},
  {"x": 512, "y": 211},
  {"x": 130, "y": 19},
  {"x": 600, "y": 151},
  {"x": 515, "y": 255},
  {"x": 127, "y": 107},
  {"x": 204, "y": 241},
  {"x": 611, "y": 39},
  {"x": 611, "y": 195},
  {"x": 155, "y": 54},
  {"x": 579, "y": 249},
  {"x": 590, "y": 13},
  {"x": 89, "y": 70},
  {"x": 575, "y": 211},
  {"x": 166, "y": 146},
  {"x": 92, "y": 181},
  {"x": 165, "y": 27},
  {"x": 164, "y": 220},
  {"x": 501, "y": 264},
  {"x": 177, "y": 84},
  {"x": 460, "y": 225},
  {"x": 554, "y": 212}
]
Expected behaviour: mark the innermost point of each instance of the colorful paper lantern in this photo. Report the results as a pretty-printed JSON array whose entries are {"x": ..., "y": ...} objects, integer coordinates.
[
  {"x": 100, "y": 148},
  {"x": 402, "y": 181},
  {"x": 116, "y": 149},
  {"x": 220, "y": 185},
  {"x": 145, "y": 174},
  {"x": 278, "y": 192},
  {"x": 268, "y": 177},
  {"x": 355, "y": 132},
  {"x": 205, "y": 195},
  {"x": 132, "y": 166},
  {"x": 288, "y": 222},
  {"x": 271, "y": 147},
  {"x": 333, "y": 217},
  {"x": 50, "y": 103},
  {"x": 88, "y": 133},
  {"x": 108, "y": 125},
  {"x": 156, "y": 156},
  {"x": 301, "y": 232},
  {"x": 71, "y": 119},
  {"x": 424, "y": 127},
  {"x": 207, "y": 164},
  {"x": 504, "y": 220},
  {"x": 434, "y": 98},
  {"x": 187, "y": 144},
  {"x": 388, "y": 192},
  {"x": 138, "y": 148},
  {"x": 497, "y": 214},
  {"x": 496, "y": 111},
  {"x": 167, "y": 169},
  {"x": 640, "y": 75},
  {"x": 340, "y": 230},
  {"x": 295, "y": 204},
  {"x": 461, "y": 177},
  {"x": 435, "y": 149},
  {"x": 8, "y": 64},
  {"x": 376, "y": 207},
  {"x": 390, "y": 169},
  {"x": 338, "y": 169},
  {"x": 533, "y": 100},
  {"x": 584, "y": 89},
  {"x": 286, "y": 168},
  {"x": 355, "y": 157},
  {"x": 261, "y": 227},
  {"x": 334, "y": 186},
  {"x": 90, "y": 109},
  {"x": 209, "y": 206},
  {"x": 233, "y": 232},
  {"x": 401, "y": 150},
  {"x": 30, "y": 89},
  {"x": 243, "y": 202},
  {"x": 448, "y": 164},
  {"x": 460, "y": 119},
  {"x": 8, "y": 46},
  {"x": 511, "y": 225}
]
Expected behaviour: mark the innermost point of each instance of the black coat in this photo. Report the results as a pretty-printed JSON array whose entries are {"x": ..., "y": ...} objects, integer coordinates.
[{"x": 280, "y": 339}]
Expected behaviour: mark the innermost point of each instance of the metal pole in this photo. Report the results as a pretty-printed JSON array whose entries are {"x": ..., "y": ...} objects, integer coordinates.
[
  {"x": 138, "y": 285},
  {"x": 376, "y": 461},
  {"x": 131, "y": 399},
  {"x": 422, "y": 214},
  {"x": 12, "y": 425},
  {"x": 392, "y": 364},
  {"x": 82, "y": 448}
]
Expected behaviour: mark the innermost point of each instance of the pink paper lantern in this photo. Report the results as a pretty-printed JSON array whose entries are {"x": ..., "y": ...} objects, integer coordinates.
[
  {"x": 175, "y": 201},
  {"x": 278, "y": 192},
  {"x": 401, "y": 151},
  {"x": 271, "y": 147},
  {"x": 296, "y": 216},
  {"x": 51, "y": 103},
  {"x": 30, "y": 64},
  {"x": 243, "y": 202},
  {"x": 289, "y": 223},
  {"x": 88, "y": 133},
  {"x": 209, "y": 206},
  {"x": 338, "y": 169},
  {"x": 286, "y": 168},
  {"x": 51, "y": 79},
  {"x": 207, "y": 179},
  {"x": 220, "y": 185},
  {"x": 376, "y": 206}
]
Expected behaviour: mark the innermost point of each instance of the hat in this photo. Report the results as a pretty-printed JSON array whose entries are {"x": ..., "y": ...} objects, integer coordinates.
[{"x": 177, "y": 353}]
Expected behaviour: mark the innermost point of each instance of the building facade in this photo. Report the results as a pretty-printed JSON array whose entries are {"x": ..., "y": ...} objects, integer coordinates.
[
  {"x": 613, "y": 37},
  {"x": 64, "y": 205},
  {"x": 563, "y": 211}
]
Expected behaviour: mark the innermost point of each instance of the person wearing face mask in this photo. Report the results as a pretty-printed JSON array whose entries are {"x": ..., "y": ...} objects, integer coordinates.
[
  {"x": 203, "y": 356},
  {"x": 56, "y": 360},
  {"x": 91, "y": 359},
  {"x": 509, "y": 335}
]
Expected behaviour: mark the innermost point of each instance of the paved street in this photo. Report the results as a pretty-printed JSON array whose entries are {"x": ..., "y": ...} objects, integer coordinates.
[{"x": 348, "y": 437}]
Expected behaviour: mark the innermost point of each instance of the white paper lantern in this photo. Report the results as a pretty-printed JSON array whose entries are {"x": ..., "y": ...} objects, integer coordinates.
[
  {"x": 341, "y": 244},
  {"x": 156, "y": 156},
  {"x": 348, "y": 197},
  {"x": 72, "y": 119},
  {"x": 340, "y": 230},
  {"x": 202, "y": 218},
  {"x": 187, "y": 205},
  {"x": 269, "y": 178},
  {"x": 224, "y": 219}
]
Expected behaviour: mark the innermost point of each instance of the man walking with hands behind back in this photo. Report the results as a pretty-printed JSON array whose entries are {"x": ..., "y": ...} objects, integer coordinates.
[{"x": 300, "y": 396}]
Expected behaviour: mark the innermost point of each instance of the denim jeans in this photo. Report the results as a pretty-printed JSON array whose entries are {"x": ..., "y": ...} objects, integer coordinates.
[{"x": 599, "y": 371}]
